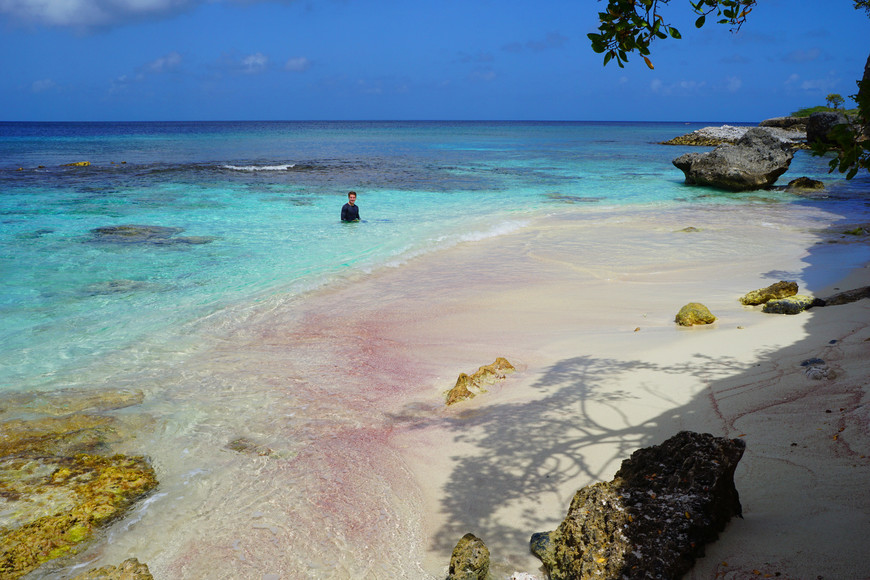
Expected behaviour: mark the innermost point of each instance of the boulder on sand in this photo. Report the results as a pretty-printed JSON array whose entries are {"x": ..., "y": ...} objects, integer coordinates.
[
  {"x": 755, "y": 162},
  {"x": 694, "y": 313},
  {"x": 781, "y": 289},
  {"x": 653, "y": 519}
]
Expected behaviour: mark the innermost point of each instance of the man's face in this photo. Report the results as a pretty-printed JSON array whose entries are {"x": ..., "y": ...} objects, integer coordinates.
[{"x": 351, "y": 199}]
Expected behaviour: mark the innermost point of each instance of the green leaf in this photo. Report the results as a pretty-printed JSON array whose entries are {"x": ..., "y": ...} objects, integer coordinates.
[
  {"x": 700, "y": 21},
  {"x": 675, "y": 33}
]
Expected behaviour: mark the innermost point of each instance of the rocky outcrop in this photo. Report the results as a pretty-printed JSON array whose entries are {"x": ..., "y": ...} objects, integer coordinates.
[
  {"x": 791, "y": 305},
  {"x": 790, "y": 123},
  {"x": 694, "y": 313},
  {"x": 653, "y": 519},
  {"x": 130, "y": 569},
  {"x": 728, "y": 134},
  {"x": 470, "y": 560},
  {"x": 755, "y": 162},
  {"x": 467, "y": 386},
  {"x": 820, "y": 124},
  {"x": 781, "y": 289},
  {"x": 77, "y": 164},
  {"x": 139, "y": 234}
]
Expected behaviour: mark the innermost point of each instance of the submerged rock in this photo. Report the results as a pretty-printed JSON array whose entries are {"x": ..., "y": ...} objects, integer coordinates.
[
  {"x": 694, "y": 313},
  {"x": 653, "y": 519},
  {"x": 139, "y": 234},
  {"x": 470, "y": 560},
  {"x": 791, "y": 305},
  {"x": 781, "y": 289},
  {"x": 467, "y": 386},
  {"x": 755, "y": 161},
  {"x": 130, "y": 569},
  {"x": 57, "y": 488}
]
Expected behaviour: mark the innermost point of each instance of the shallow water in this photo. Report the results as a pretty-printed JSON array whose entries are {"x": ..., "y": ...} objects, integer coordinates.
[{"x": 240, "y": 339}]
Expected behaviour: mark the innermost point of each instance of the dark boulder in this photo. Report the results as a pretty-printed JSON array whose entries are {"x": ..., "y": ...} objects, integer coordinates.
[
  {"x": 755, "y": 162},
  {"x": 653, "y": 520},
  {"x": 791, "y": 123},
  {"x": 820, "y": 124}
]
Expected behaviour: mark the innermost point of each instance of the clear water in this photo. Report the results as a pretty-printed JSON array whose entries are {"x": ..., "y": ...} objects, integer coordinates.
[
  {"x": 269, "y": 194},
  {"x": 175, "y": 319}
]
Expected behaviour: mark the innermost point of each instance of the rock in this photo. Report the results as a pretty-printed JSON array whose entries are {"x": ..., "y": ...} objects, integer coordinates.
[
  {"x": 820, "y": 124},
  {"x": 77, "y": 164},
  {"x": 694, "y": 313},
  {"x": 781, "y": 289},
  {"x": 804, "y": 184},
  {"x": 57, "y": 488},
  {"x": 844, "y": 297},
  {"x": 793, "y": 123},
  {"x": 755, "y": 162},
  {"x": 130, "y": 569},
  {"x": 468, "y": 386},
  {"x": 653, "y": 519},
  {"x": 713, "y": 136},
  {"x": 139, "y": 234},
  {"x": 791, "y": 305},
  {"x": 690, "y": 230},
  {"x": 470, "y": 560},
  {"x": 68, "y": 401}
]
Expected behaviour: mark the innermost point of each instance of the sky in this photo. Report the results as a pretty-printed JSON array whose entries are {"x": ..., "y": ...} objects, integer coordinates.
[{"x": 169, "y": 60}]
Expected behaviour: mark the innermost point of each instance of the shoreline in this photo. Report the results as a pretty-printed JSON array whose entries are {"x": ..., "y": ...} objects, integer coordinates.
[
  {"x": 381, "y": 479},
  {"x": 496, "y": 312}
]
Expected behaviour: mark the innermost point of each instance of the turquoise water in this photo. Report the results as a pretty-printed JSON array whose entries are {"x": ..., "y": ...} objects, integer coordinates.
[{"x": 266, "y": 199}]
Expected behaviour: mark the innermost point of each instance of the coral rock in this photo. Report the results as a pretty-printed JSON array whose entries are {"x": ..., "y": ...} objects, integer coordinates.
[
  {"x": 776, "y": 291},
  {"x": 755, "y": 161},
  {"x": 130, "y": 569},
  {"x": 694, "y": 313},
  {"x": 467, "y": 386},
  {"x": 791, "y": 305},
  {"x": 470, "y": 560},
  {"x": 653, "y": 519}
]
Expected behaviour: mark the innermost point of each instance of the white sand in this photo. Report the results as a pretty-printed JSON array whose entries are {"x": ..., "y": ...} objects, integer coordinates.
[
  {"x": 584, "y": 307},
  {"x": 370, "y": 475}
]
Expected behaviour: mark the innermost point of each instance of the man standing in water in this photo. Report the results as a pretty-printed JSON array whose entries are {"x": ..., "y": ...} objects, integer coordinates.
[{"x": 349, "y": 211}]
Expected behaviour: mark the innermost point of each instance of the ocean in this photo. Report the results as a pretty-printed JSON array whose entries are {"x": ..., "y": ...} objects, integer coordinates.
[{"x": 237, "y": 219}]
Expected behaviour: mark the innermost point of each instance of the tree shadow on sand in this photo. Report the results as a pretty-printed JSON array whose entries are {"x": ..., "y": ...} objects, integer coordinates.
[{"x": 579, "y": 416}]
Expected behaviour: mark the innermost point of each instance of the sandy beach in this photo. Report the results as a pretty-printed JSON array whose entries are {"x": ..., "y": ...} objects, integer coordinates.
[
  {"x": 380, "y": 479},
  {"x": 583, "y": 306}
]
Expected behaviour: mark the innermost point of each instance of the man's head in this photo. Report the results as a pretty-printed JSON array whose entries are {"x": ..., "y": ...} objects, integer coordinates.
[{"x": 351, "y": 197}]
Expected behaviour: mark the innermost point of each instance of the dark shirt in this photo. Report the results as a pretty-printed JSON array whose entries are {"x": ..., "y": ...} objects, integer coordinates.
[{"x": 349, "y": 213}]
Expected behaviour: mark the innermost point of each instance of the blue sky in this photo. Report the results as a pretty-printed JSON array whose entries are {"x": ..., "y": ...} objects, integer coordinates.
[{"x": 112, "y": 60}]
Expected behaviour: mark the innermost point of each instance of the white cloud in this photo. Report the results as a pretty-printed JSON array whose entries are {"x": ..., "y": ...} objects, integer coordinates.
[
  {"x": 680, "y": 88},
  {"x": 553, "y": 40},
  {"x": 802, "y": 56},
  {"x": 733, "y": 84},
  {"x": 815, "y": 86},
  {"x": 297, "y": 64},
  {"x": 255, "y": 63},
  {"x": 90, "y": 13},
  {"x": 42, "y": 85},
  {"x": 165, "y": 63}
]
